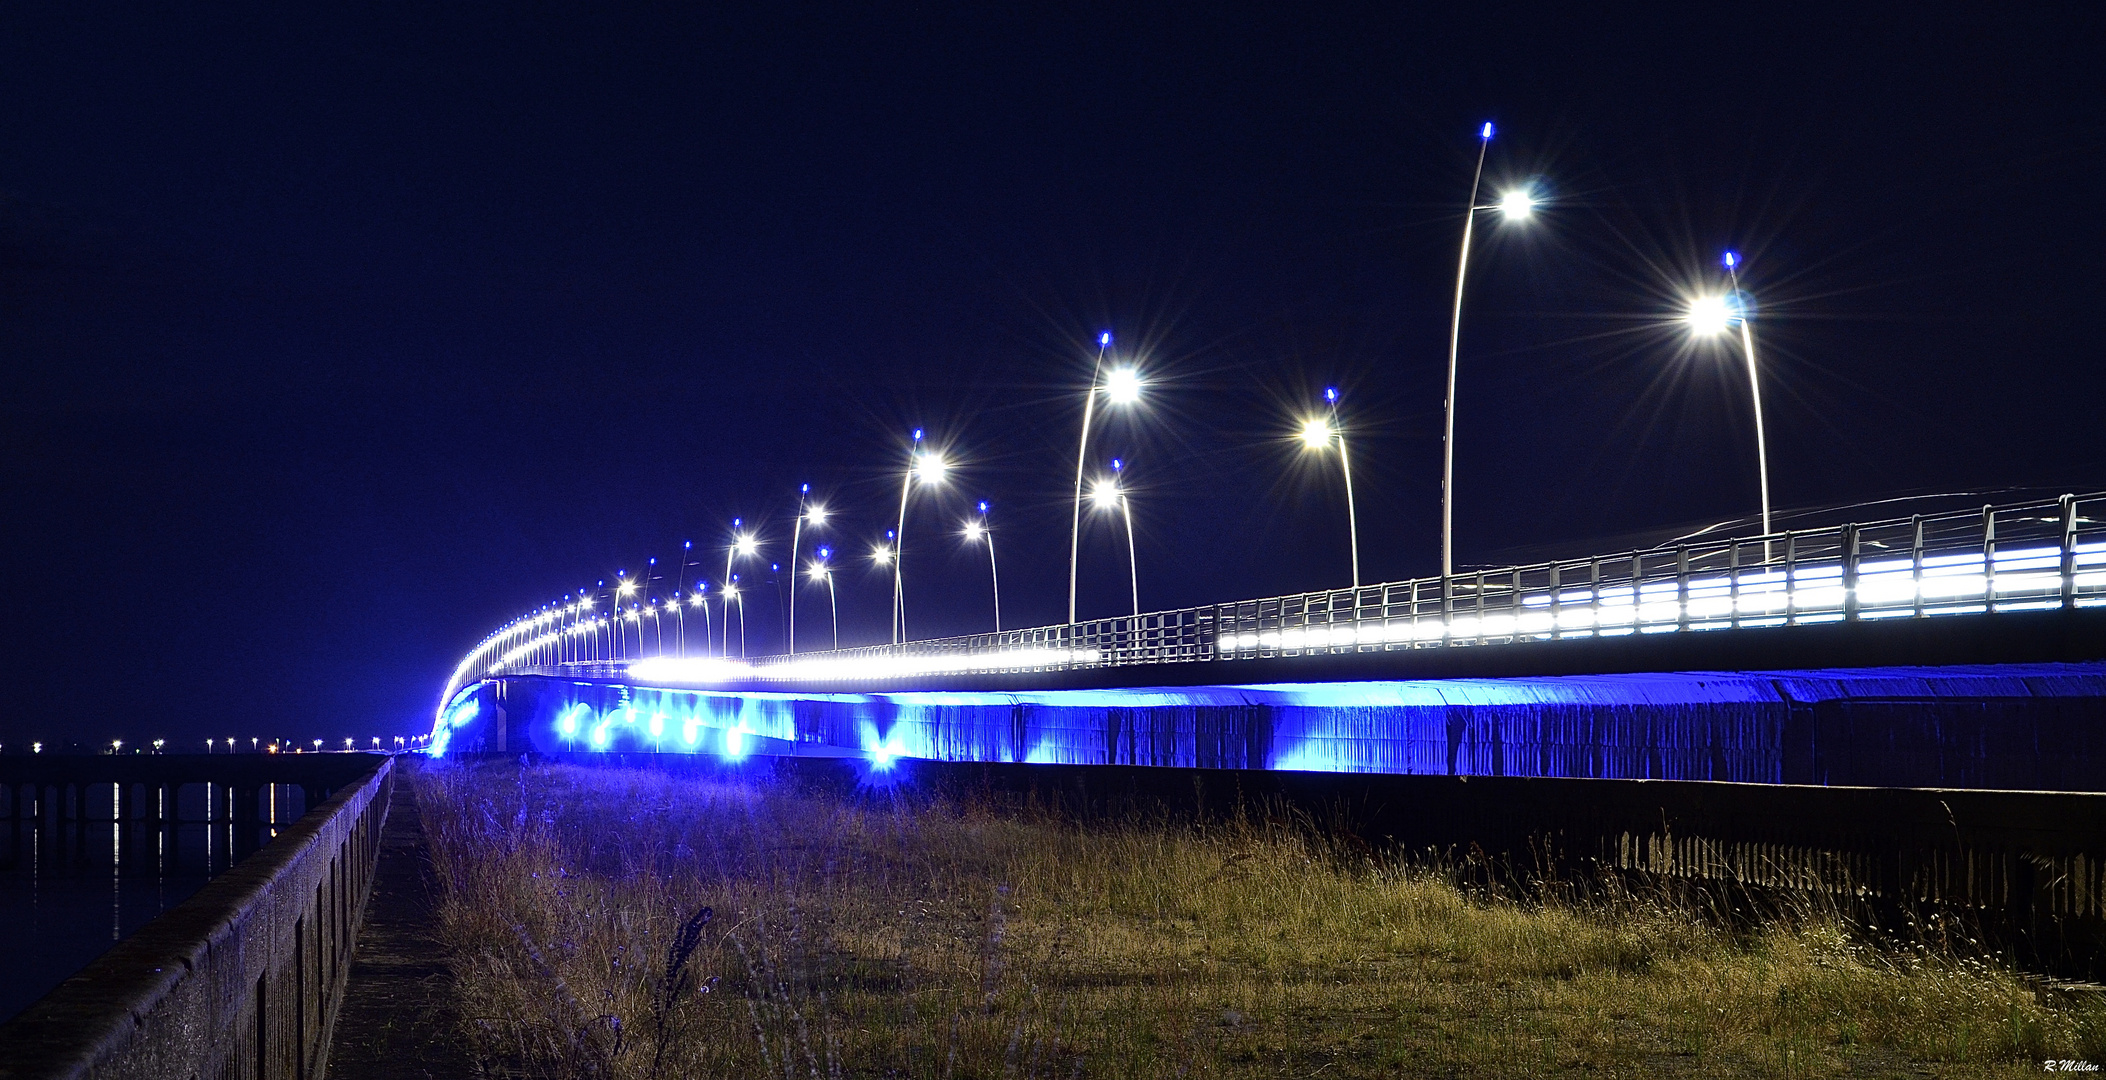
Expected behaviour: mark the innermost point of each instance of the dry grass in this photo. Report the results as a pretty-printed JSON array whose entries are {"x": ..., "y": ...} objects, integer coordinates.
[{"x": 888, "y": 937}]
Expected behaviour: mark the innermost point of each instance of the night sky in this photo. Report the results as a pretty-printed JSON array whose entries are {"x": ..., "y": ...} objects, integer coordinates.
[{"x": 331, "y": 337}]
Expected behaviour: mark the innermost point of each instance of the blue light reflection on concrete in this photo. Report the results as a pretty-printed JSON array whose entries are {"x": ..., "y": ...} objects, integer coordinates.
[{"x": 1761, "y": 727}]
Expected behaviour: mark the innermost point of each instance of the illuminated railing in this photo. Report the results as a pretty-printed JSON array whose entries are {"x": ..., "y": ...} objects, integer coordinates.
[{"x": 2023, "y": 557}]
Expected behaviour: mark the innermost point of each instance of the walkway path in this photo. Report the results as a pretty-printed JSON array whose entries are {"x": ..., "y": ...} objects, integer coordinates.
[{"x": 395, "y": 1021}]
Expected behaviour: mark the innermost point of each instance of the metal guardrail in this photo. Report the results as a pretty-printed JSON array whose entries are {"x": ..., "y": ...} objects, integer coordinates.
[{"x": 2019, "y": 557}]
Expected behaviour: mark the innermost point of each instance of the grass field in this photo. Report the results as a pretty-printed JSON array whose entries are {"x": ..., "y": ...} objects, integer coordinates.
[{"x": 904, "y": 937}]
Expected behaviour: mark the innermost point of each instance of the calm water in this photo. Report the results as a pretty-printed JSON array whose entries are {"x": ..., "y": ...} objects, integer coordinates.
[{"x": 69, "y": 891}]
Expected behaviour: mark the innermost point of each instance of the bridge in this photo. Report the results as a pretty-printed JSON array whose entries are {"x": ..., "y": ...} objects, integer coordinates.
[
  {"x": 1723, "y": 659},
  {"x": 1901, "y": 715}
]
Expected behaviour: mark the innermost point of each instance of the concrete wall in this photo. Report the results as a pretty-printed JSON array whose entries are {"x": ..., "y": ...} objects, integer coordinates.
[
  {"x": 240, "y": 982},
  {"x": 2008, "y": 726}
]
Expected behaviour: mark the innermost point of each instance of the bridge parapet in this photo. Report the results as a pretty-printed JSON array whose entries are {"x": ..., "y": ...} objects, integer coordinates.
[
  {"x": 2024, "y": 557},
  {"x": 240, "y": 981}
]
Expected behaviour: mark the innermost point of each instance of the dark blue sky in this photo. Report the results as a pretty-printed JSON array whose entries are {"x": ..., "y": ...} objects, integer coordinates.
[{"x": 331, "y": 337}]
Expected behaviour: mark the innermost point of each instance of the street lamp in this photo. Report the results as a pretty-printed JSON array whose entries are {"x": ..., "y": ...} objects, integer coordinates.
[
  {"x": 650, "y": 575},
  {"x": 928, "y": 467},
  {"x": 687, "y": 548},
  {"x": 700, "y": 599},
  {"x": 977, "y": 530},
  {"x": 743, "y": 545},
  {"x": 1517, "y": 205},
  {"x": 1108, "y": 494},
  {"x": 817, "y": 516},
  {"x": 1709, "y": 316},
  {"x": 1318, "y": 432},
  {"x": 623, "y": 587},
  {"x": 822, "y": 568},
  {"x": 1121, "y": 387}
]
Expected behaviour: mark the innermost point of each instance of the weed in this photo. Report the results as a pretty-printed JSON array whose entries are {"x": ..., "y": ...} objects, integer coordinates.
[{"x": 891, "y": 936}]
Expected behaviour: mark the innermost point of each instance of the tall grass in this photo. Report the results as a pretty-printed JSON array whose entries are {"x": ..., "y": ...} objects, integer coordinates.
[{"x": 902, "y": 937}]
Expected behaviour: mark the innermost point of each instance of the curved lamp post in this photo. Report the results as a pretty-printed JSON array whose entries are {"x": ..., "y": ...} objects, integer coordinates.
[
  {"x": 1110, "y": 495},
  {"x": 1709, "y": 316},
  {"x": 817, "y": 516},
  {"x": 1317, "y": 434},
  {"x": 733, "y": 595},
  {"x": 700, "y": 599},
  {"x": 928, "y": 467},
  {"x": 1516, "y": 204},
  {"x": 687, "y": 548},
  {"x": 977, "y": 530},
  {"x": 623, "y": 588},
  {"x": 1121, "y": 387},
  {"x": 743, "y": 546},
  {"x": 822, "y": 568}
]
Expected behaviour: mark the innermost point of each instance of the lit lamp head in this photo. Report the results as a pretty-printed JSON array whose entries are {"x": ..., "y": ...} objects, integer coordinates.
[
  {"x": 1316, "y": 433},
  {"x": 974, "y": 530},
  {"x": 745, "y": 545},
  {"x": 1105, "y": 493},
  {"x": 929, "y": 467},
  {"x": 1122, "y": 386},
  {"x": 1518, "y": 204},
  {"x": 1709, "y": 315},
  {"x": 626, "y": 587},
  {"x": 881, "y": 555},
  {"x": 815, "y": 516}
]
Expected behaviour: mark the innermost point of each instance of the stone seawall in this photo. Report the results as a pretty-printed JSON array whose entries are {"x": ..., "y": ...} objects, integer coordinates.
[{"x": 240, "y": 982}]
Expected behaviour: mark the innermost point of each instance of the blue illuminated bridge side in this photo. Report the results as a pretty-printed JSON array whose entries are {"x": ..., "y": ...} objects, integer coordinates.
[{"x": 1949, "y": 651}]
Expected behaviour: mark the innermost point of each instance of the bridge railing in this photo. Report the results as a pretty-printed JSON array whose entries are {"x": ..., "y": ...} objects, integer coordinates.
[{"x": 2017, "y": 557}]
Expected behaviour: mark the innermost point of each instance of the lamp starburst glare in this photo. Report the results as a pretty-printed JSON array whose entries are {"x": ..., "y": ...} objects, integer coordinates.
[
  {"x": 1122, "y": 386},
  {"x": 1708, "y": 315}
]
